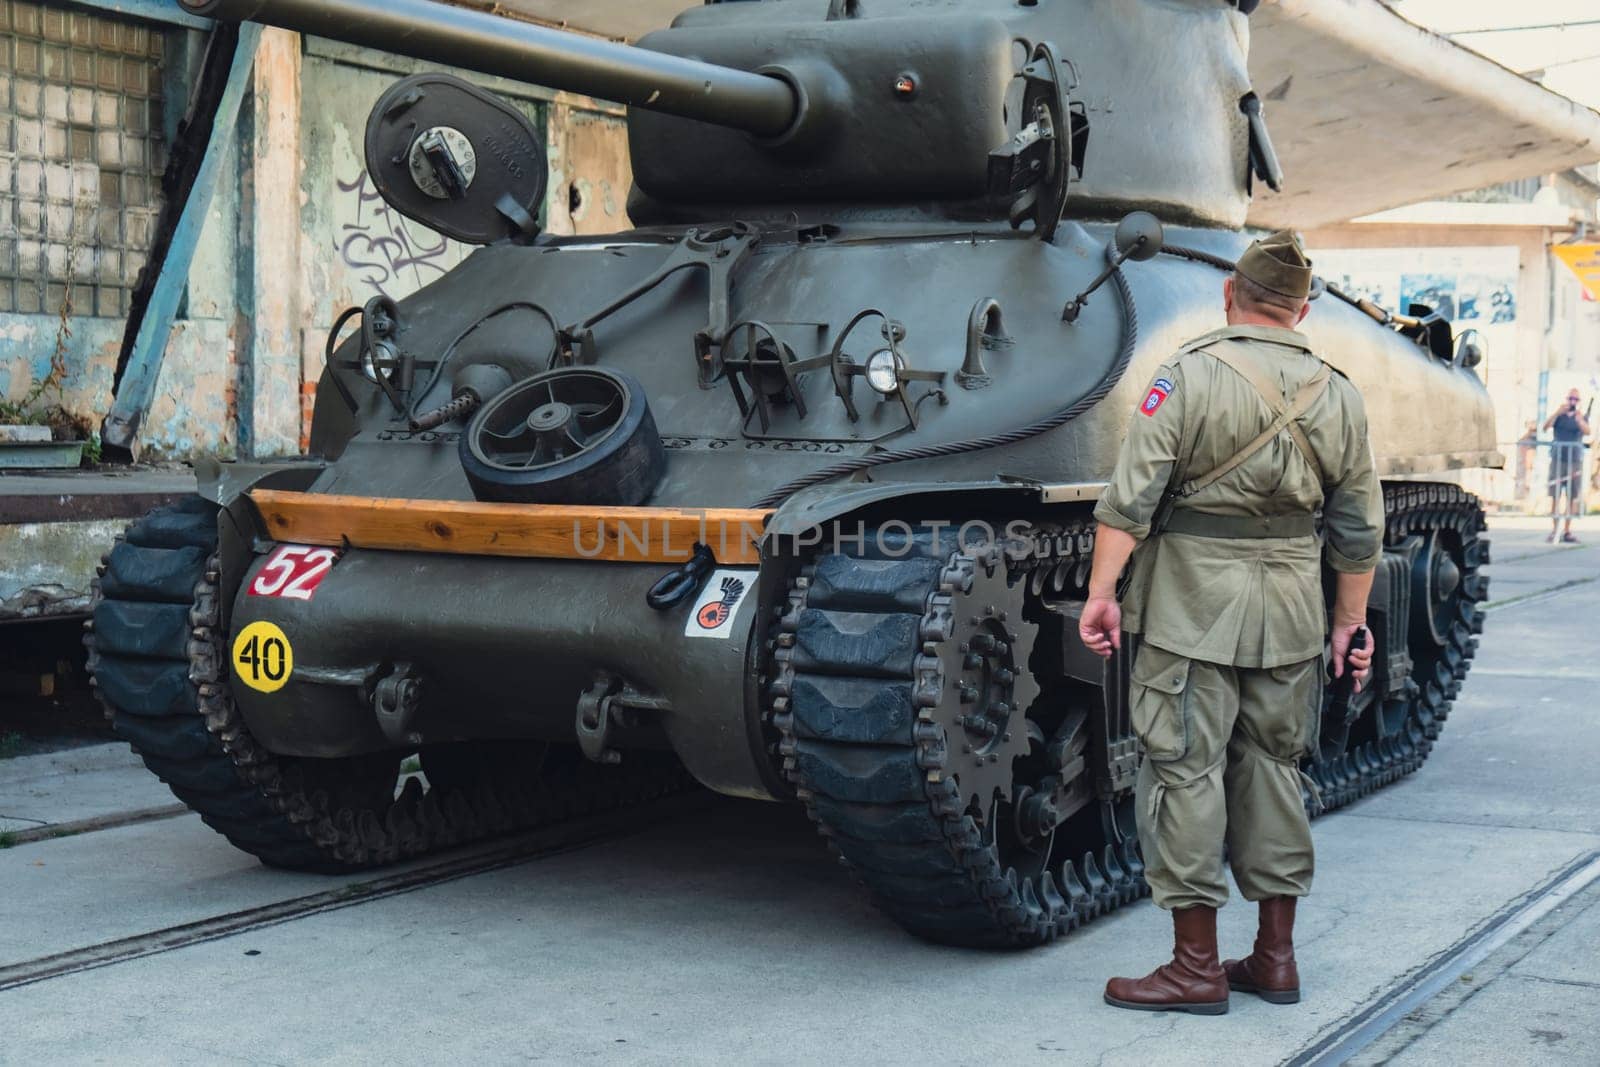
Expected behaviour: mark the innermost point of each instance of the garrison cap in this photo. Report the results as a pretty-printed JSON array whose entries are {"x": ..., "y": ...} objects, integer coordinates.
[{"x": 1279, "y": 263}]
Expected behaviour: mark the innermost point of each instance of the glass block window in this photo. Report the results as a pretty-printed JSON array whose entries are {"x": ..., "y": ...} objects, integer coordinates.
[{"x": 81, "y": 156}]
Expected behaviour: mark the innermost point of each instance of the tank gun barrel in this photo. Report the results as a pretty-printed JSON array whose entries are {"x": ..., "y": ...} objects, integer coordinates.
[{"x": 759, "y": 104}]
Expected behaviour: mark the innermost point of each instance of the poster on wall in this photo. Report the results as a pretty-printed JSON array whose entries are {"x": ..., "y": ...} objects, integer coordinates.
[{"x": 1475, "y": 288}]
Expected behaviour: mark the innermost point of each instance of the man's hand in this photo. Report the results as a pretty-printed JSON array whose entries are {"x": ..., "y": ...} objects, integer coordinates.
[
  {"x": 1357, "y": 659},
  {"x": 1101, "y": 626}
]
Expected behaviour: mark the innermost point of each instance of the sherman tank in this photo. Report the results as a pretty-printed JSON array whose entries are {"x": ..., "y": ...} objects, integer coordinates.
[{"x": 787, "y": 490}]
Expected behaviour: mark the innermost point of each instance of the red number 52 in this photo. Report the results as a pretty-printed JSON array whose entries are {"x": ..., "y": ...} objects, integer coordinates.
[{"x": 293, "y": 571}]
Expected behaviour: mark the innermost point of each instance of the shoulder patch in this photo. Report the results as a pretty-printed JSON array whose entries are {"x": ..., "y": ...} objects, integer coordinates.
[{"x": 1160, "y": 389}]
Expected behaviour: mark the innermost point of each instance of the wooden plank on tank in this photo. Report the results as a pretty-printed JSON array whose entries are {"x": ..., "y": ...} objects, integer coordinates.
[{"x": 536, "y": 531}]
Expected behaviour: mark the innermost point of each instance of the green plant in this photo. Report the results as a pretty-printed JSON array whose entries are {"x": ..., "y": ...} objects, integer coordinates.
[
  {"x": 26, "y": 410},
  {"x": 10, "y": 744},
  {"x": 23, "y": 412}
]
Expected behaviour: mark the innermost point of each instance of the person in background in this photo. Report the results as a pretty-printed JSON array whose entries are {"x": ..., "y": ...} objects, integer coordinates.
[
  {"x": 1527, "y": 449},
  {"x": 1568, "y": 426}
]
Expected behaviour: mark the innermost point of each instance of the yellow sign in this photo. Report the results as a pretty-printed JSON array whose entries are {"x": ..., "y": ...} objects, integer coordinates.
[
  {"x": 1584, "y": 261},
  {"x": 262, "y": 658}
]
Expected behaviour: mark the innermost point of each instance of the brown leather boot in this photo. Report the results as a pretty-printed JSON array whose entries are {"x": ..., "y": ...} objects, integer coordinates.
[
  {"x": 1192, "y": 982},
  {"x": 1269, "y": 971}
]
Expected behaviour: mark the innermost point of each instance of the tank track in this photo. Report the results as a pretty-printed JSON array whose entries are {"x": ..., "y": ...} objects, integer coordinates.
[
  {"x": 156, "y": 645},
  {"x": 857, "y": 675},
  {"x": 875, "y": 790},
  {"x": 1058, "y": 562},
  {"x": 1410, "y": 509}
]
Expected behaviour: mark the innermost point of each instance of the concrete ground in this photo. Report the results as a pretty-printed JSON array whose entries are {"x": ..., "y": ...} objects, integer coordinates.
[
  {"x": 730, "y": 937},
  {"x": 63, "y": 790},
  {"x": 1534, "y": 1001}
]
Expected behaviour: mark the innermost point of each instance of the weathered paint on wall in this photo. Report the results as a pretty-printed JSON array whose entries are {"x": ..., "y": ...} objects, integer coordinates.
[
  {"x": 46, "y": 568},
  {"x": 295, "y": 234},
  {"x": 190, "y": 413},
  {"x": 193, "y": 408},
  {"x": 590, "y": 172},
  {"x": 89, "y": 353}
]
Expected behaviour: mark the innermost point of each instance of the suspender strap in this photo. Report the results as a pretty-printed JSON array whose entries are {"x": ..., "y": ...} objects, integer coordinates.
[{"x": 1285, "y": 420}]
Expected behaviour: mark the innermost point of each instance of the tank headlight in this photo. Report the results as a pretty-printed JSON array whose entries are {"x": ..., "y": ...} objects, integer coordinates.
[
  {"x": 380, "y": 363},
  {"x": 883, "y": 372}
]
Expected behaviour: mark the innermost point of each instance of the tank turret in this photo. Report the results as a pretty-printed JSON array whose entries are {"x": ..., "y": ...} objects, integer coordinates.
[{"x": 894, "y": 105}]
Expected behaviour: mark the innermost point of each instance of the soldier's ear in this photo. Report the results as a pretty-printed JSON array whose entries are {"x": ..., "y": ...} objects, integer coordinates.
[
  {"x": 1305, "y": 309},
  {"x": 1227, "y": 294}
]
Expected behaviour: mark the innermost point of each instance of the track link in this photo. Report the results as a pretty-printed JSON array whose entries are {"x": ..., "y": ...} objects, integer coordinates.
[{"x": 156, "y": 655}]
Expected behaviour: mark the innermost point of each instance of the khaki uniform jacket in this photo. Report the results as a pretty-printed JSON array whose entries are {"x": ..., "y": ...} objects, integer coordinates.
[{"x": 1245, "y": 602}]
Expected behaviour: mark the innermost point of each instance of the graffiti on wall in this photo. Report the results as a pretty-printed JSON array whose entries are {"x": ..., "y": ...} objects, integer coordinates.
[{"x": 387, "y": 253}]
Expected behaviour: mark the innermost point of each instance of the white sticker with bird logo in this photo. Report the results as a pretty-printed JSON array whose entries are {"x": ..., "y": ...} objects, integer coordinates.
[{"x": 718, "y": 604}]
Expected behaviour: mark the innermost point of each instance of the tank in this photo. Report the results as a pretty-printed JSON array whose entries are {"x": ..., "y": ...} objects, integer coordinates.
[{"x": 786, "y": 492}]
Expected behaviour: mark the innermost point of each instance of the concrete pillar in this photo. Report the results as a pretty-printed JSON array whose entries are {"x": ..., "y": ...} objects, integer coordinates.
[{"x": 271, "y": 405}]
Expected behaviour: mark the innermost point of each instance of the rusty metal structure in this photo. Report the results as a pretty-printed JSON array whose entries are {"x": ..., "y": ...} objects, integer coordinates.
[{"x": 788, "y": 489}]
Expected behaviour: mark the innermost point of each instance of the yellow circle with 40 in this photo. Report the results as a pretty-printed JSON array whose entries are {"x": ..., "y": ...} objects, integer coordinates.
[{"x": 263, "y": 659}]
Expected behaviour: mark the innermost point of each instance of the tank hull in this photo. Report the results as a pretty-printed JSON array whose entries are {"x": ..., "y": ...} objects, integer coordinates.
[
  {"x": 505, "y": 648},
  {"x": 1425, "y": 416}
]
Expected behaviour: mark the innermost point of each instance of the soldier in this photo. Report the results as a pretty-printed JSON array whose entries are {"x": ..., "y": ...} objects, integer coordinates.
[{"x": 1239, "y": 439}]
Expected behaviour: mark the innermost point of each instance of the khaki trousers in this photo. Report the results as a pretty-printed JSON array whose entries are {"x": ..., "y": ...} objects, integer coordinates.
[{"x": 1222, "y": 746}]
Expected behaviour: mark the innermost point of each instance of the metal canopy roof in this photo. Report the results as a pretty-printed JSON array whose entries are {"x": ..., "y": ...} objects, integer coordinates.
[{"x": 1368, "y": 110}]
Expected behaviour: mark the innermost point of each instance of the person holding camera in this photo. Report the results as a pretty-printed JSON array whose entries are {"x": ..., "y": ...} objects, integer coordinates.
[{"x": 1568, "y": 427}]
